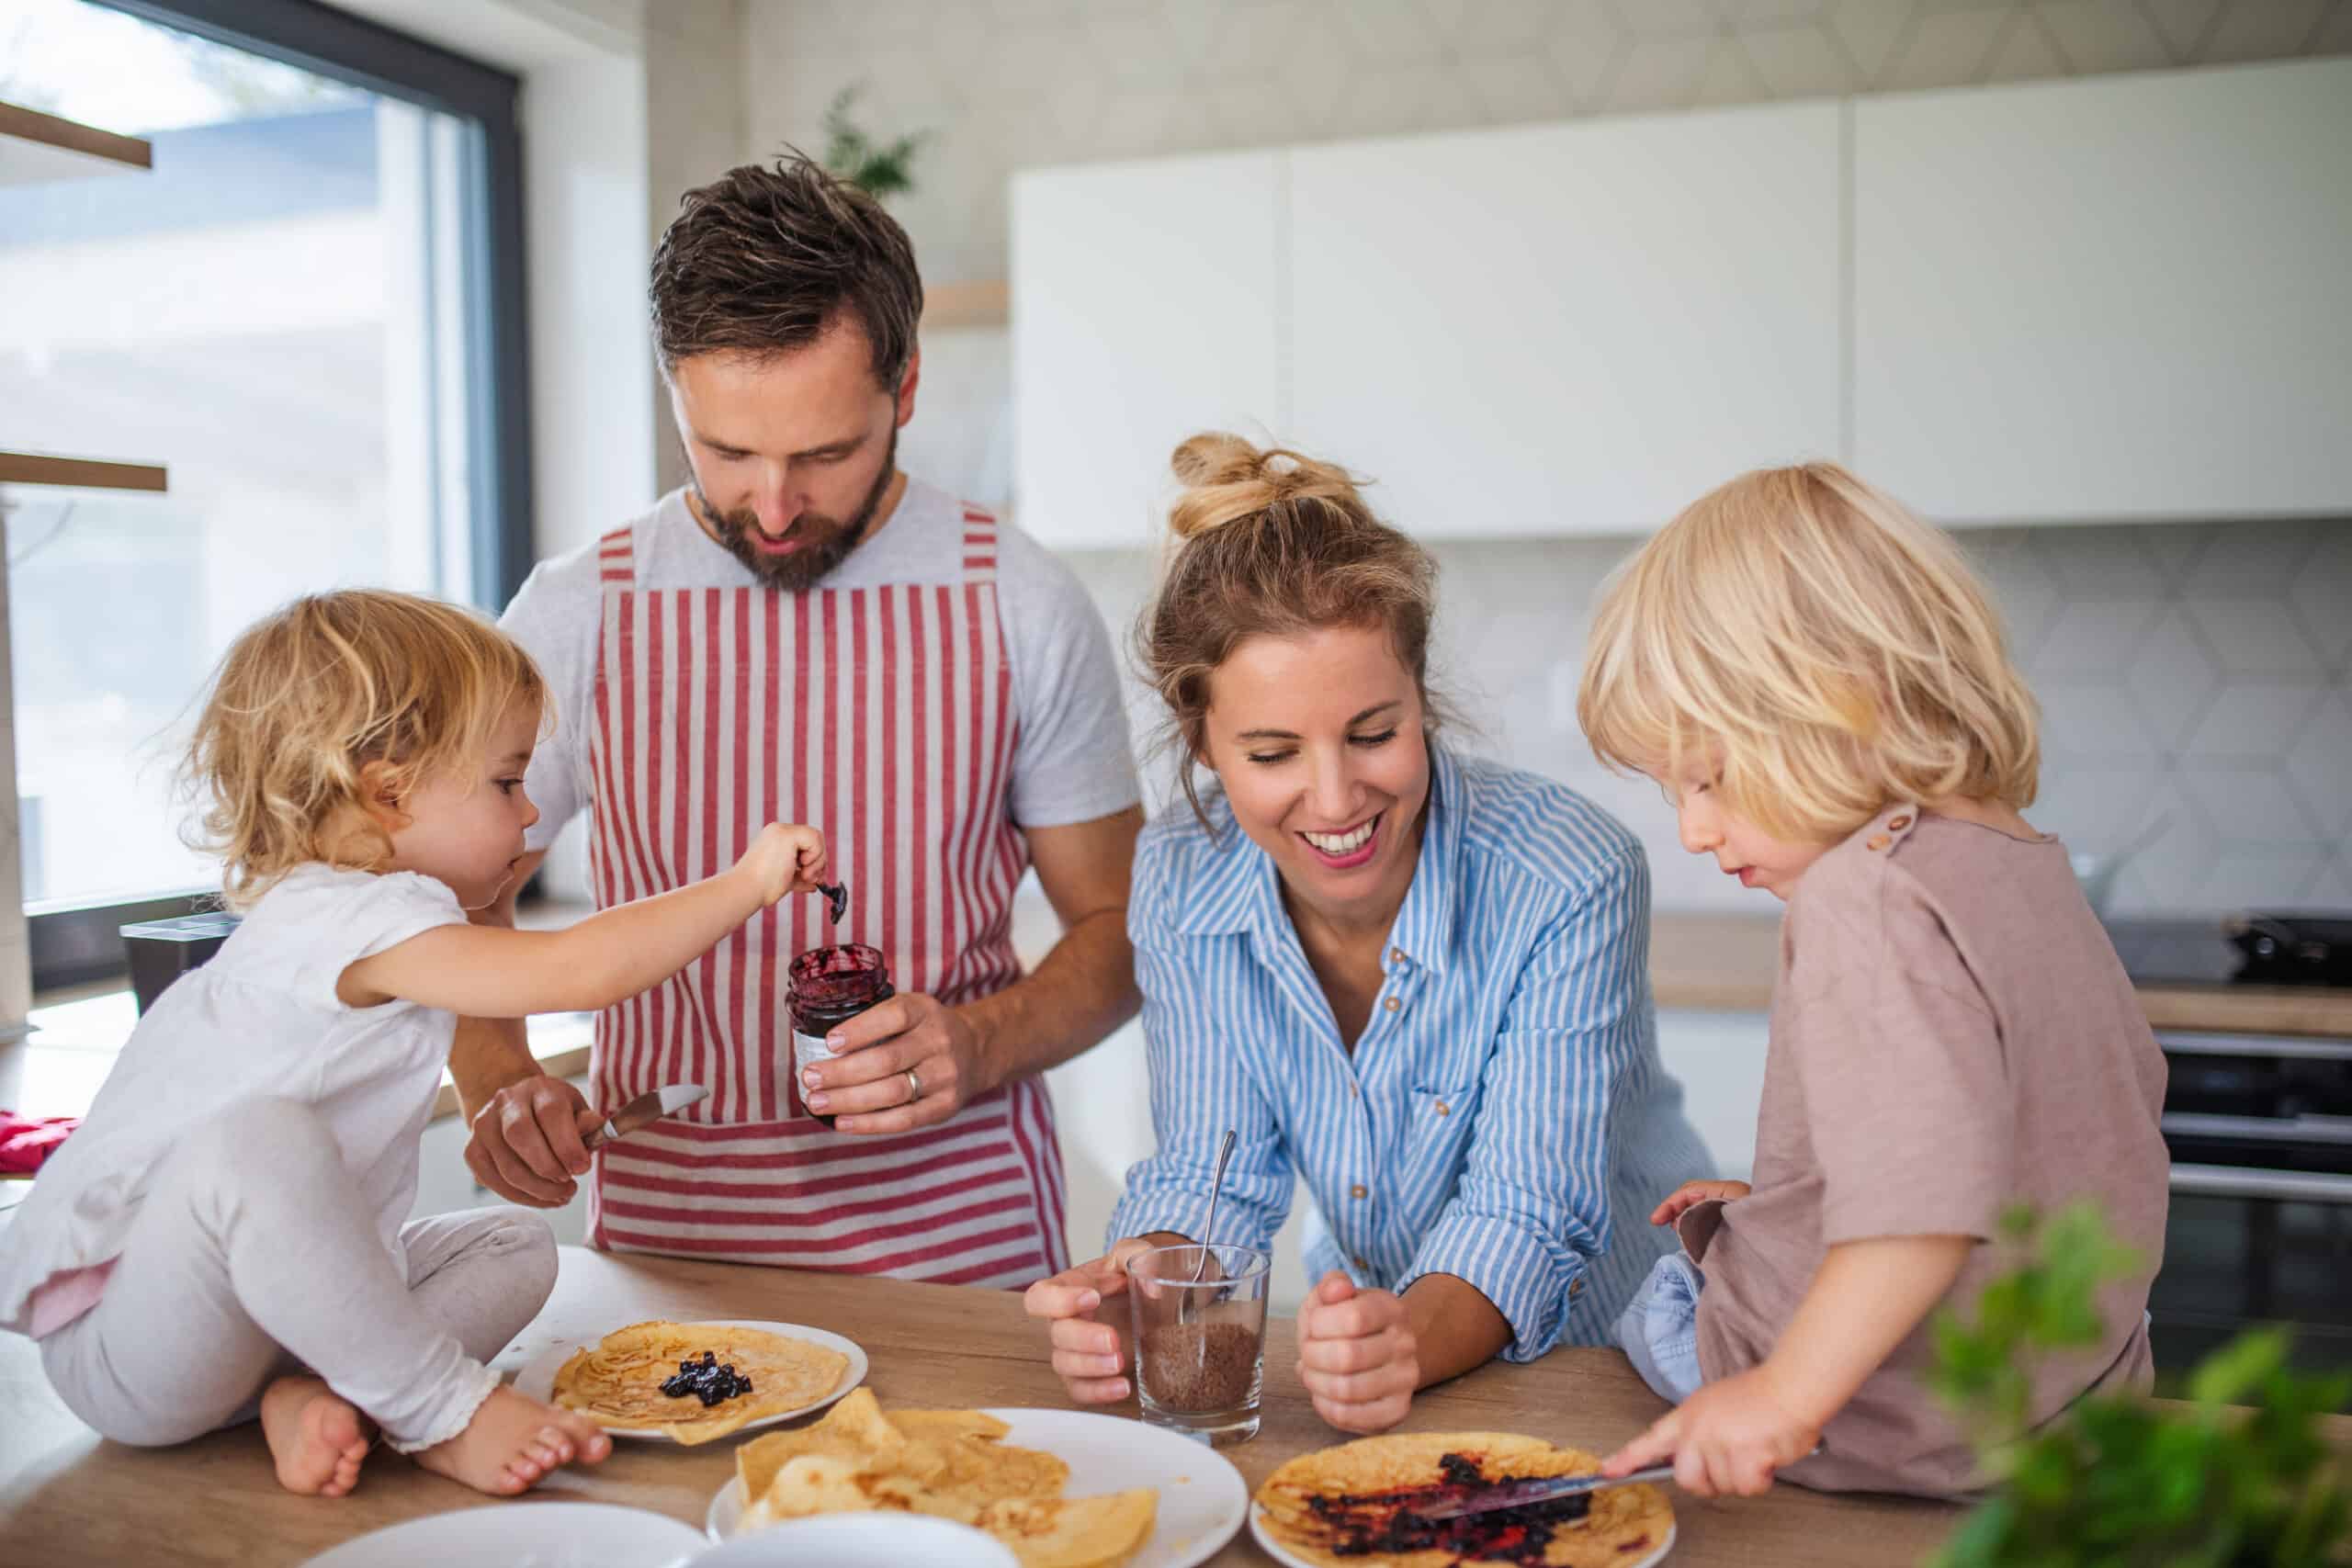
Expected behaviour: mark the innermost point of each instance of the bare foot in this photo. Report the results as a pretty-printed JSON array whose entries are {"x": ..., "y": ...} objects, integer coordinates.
[
  {"x": 314, "y": 1436},
  {"x": 512, "y": 1441}
]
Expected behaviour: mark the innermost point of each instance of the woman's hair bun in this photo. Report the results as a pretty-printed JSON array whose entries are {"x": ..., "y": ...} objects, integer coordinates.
[{"x": 1225, "y": 479}]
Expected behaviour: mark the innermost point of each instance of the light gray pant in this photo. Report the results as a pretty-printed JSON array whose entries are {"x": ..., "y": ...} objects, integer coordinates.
[{"x": 254, "y": 1256}]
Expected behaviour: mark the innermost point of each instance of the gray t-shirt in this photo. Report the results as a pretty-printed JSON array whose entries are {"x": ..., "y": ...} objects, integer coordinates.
[{"x": 1071, "y": 761}]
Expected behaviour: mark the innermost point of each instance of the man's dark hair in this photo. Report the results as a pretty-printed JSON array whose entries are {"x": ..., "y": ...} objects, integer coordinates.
[{"x": 761, "y": 260}]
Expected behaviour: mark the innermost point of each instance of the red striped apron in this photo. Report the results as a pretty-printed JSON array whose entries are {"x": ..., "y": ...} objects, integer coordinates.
[{"x": 882, "y": 716}]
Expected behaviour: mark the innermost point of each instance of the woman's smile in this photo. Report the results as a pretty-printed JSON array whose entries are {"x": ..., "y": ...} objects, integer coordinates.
[{"x": 1348, "y": 848}]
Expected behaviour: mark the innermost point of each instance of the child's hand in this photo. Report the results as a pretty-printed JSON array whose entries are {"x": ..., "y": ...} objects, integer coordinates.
[
  {"x": 1691, "y": 1192},
  {"x": 784, "y": 859},
  {"x": 1728, "y": 1439},
  {"x": 1356, "y": 1355}
]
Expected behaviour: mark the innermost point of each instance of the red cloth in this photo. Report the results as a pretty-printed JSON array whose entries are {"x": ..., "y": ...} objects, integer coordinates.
[{"x": 25, "y": 1141}]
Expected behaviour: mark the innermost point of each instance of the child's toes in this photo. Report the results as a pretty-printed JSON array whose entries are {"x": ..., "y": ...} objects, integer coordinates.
[{"x": 554, "y": 1445}]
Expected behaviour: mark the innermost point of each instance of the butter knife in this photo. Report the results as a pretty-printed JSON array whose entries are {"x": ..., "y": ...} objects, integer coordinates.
[
  {"x": 1525, "y": 1493},
  {"x": 646, "y": 1109}
]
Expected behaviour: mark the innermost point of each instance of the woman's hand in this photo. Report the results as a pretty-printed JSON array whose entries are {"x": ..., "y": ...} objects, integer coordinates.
[
  {"x": 1728, "y": 1439},
  {"x": 1090, "y": 1355},
  {"x": 1357, "y": 1355},
  {"x": 786, "y": 858},
  {"x": 1694, "y": 1193}
]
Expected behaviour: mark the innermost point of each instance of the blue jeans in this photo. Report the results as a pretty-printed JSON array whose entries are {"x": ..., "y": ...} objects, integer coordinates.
[{"x": 1659, "y": 1329}]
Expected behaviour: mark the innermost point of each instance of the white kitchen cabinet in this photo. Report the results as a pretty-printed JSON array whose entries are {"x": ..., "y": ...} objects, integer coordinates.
[
  {"x": 1566, "y": 329},
  {"x": 1719, "y": 1057},
  {"x": 2123, "y": 298},
  {"x": 1144, "y": 310}
]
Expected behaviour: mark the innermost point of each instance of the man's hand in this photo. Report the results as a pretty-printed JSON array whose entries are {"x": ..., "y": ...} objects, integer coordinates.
[
  {"x": 1357, "y": 1355},
  {"x": 526, "y": 1145},
  {"x": 1692, "y": 1193},
  {"x": 866, "y": 1085},
  {"x": 1726, "y": 1439},
  {"x": 1090, "y": 1348}
]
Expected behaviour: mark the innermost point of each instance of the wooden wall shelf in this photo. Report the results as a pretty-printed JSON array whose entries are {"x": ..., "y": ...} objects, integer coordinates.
[
  {"x": 952, "y": 305},
  {"x": 82, "y": 473},
  {"x": 36, "y": 146}
]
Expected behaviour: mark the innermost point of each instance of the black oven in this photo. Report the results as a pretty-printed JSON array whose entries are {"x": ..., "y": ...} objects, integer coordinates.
[
  {"x": 2260, "y": 1129},
  {"x": 2260, "y": 1229}
]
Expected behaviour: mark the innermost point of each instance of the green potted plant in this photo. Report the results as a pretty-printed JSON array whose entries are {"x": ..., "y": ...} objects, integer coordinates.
[
  {"x": 2238, "y": 1477},
  {"x": 882, "y": 168}
]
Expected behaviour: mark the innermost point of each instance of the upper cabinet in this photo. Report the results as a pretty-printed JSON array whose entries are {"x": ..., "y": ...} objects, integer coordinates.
[
  {"x": 2121, "y": 297},
  {"x": 1144, "y": 310},
  {"x": 1566, "y": 329}
]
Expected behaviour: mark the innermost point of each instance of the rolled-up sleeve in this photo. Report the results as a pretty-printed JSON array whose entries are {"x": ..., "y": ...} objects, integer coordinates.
[
  {"x": 1199, "y": 1086},
  {"x": 1533, "y": 1211}
]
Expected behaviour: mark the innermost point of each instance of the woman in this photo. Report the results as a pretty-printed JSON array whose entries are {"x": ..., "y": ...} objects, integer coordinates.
[{"x": 1417, "y": 980}]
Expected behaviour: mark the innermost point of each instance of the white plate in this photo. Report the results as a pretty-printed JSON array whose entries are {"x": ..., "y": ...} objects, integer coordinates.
[
  {"x": 524, "y": 1533},
  {"x": 1203, "y": 1498},
  {"x": 862, "y": 1540},
  {"x": 538, "y": 1376},
  {"x": 1290, "y": 1560}
]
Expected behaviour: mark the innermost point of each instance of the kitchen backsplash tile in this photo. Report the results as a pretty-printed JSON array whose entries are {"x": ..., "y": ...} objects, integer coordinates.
[{"x": 2182, "y": 681}]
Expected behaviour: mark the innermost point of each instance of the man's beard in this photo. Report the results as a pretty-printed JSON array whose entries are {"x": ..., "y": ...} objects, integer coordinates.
[{"x": 828, "y": 542}]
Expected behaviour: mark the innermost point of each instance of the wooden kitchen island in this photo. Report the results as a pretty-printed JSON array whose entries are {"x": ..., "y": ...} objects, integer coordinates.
[{"x": 67, "y": 1496}]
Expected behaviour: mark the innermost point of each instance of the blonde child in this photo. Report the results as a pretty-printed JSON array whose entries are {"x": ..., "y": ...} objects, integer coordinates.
[
  {"x": 1821, "y": 686},
  {"x": 224, "y": 1236}
]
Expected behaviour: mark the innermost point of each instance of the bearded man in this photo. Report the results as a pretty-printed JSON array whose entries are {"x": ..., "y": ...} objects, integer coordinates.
[{"x": 802, "y": 633}]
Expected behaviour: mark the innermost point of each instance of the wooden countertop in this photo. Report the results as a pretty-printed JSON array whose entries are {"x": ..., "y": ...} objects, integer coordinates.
[
  {"x": 68, "y": 1496},
  {"x": 1725, "y": 964}
]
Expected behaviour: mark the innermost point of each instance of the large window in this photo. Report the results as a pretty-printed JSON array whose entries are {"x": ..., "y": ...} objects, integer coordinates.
[{"x": 309, "y": 312}]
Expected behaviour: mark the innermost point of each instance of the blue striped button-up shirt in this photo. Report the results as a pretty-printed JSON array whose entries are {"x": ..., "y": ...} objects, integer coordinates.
[{"x": 1503, "y": 1118}]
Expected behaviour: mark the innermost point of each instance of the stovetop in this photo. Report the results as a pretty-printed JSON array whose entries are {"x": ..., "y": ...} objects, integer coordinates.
[{"x": 2187, "y": 953}]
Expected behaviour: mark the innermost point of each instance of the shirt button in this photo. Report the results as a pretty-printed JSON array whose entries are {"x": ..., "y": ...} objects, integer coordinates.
[
  {"x": 1391, "y": 1003},
  {"x": 1443, "y": 1109},
  {"x": 1878, "y": 841},
  {"x": 1576, "y": 1288},
  {"x": 1899, "y": 823},
  {"x": 1362, "y": 1267},
  {"x": 1358, "y": 1190},
  {"x": 1397, "y": 955},
  {"x": 1352, "y": 1090}
]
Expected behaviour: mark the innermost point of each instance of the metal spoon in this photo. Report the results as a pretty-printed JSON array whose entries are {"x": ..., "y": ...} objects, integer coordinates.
[{"x": 1216, "y": 1190}]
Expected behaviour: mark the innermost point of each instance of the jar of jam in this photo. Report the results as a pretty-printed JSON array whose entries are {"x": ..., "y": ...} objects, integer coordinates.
[{"x": 830, "y": 985}]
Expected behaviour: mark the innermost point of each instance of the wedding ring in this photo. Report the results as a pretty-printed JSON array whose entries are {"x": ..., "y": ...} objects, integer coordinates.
[{"x": 914, "y": 1086}]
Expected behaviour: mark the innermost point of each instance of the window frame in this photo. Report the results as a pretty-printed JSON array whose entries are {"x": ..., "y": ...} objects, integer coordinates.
[{"x": 80, "y": 943}]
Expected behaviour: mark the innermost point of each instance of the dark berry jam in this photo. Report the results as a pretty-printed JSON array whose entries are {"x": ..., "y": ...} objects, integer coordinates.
[
  {"x": 830, "y": 985},
  {"x": 707, "y": 1380},
  {"x": 1379, "y": 1524}
]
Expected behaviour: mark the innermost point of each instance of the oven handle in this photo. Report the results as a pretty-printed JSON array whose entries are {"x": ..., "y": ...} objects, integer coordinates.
[
  {"x": 2279, "y": 1185},
  {"x": 2303, "y": 1129},
  {"x": 2304, "y": 1048}
]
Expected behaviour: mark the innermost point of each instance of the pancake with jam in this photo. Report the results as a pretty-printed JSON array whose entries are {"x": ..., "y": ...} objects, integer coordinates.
[
  {"x": 1359, "y": 1504},
  {"x": 695, "y": 1381}
]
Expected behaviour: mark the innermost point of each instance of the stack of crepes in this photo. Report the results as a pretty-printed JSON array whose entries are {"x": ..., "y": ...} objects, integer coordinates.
[
  {"x": 616, "y": 1382},
  {"x": 1359, "y": 1505},
  {"x": 949, "y": 1464}
]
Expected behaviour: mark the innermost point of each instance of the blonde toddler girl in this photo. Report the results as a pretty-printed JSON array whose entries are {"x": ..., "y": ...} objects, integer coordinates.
[{"x": 223, "y": 1236}]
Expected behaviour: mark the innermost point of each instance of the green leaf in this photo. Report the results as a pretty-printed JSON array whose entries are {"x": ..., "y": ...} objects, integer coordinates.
[{"x": 2229, "y": 1374}]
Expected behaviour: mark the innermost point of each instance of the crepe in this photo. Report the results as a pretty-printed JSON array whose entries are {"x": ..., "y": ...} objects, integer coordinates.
[
  {"x": 1074, "y": 1532},
  {"x": 948, "y": 1464},
  {"x": 616, "y": 1382},
  {"x": 1355, "y": 1505}
]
